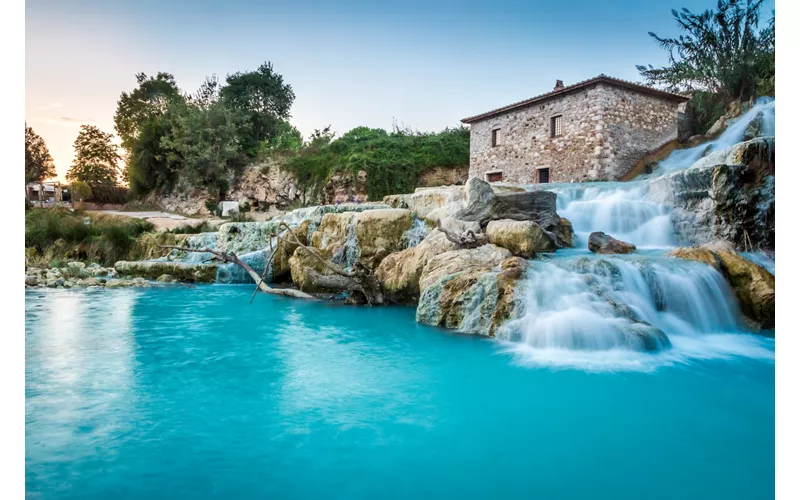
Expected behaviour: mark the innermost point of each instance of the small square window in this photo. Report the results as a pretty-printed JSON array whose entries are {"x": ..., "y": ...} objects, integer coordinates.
[
  {"x": 555, "y": 126},
  {"x": 494, "y": 136},
  {"x": 494, "y": 177},
  {"x": 544, "y": 175}
]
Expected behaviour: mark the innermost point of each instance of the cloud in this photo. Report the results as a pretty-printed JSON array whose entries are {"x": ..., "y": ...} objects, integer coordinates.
[{"x": 63, "y": 121}]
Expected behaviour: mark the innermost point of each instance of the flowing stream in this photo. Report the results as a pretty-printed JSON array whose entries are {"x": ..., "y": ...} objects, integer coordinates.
[{"x": 602, "y": 312}]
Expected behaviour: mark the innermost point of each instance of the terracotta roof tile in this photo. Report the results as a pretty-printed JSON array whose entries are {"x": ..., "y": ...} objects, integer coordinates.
[{"x": 577, "y": 86}]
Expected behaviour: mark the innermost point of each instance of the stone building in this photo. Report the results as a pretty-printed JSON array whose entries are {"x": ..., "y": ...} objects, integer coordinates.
[{"x": 593, "y": 130}]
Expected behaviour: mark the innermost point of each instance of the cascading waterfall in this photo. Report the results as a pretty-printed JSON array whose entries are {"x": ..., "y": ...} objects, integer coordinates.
[{"x": 625, "y": 312}]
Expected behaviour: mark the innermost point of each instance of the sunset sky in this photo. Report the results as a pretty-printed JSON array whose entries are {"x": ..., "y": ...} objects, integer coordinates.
[{"x": 424, "y": 64}]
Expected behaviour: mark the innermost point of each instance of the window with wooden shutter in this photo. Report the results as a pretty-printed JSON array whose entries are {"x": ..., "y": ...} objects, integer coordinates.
[
  {"x": 494, "y": 177},
  {"x": 494, "y": 136}
]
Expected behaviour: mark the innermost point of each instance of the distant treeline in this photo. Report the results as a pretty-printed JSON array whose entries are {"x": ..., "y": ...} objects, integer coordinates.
[{"x": 175, "y": 140}]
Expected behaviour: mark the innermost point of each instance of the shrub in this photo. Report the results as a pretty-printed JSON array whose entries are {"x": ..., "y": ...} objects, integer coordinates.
[
  {"x": 393, "y": 161},
  {"x": 64, "y": 235},
  {"x": 203, "y": 227}
]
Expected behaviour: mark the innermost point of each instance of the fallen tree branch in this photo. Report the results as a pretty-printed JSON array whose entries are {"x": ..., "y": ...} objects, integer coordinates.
[
  {"x": 232, "y": 258},
  {"x": 360, "y": 279},
  {"x": 467, "y": 239}
]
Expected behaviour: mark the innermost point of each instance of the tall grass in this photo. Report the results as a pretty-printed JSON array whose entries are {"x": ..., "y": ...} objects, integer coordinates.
[{"x": 63, "y": 235}]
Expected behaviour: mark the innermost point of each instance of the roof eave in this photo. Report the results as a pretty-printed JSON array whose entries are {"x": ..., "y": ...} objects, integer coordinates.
[{"x": 600, "y": 79}]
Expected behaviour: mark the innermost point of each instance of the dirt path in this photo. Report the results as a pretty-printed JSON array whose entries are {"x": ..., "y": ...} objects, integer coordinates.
[{"x": 163, "y": 221}]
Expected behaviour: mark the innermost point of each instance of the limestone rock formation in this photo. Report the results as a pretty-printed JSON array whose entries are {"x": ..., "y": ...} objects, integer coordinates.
[
  {"x": 352, "y": 237},
  {"x": 600, "y": 242},
  {"x": 182, "y": 271},
  {"x": 472, "y": 290},
  {"x": 521, "y": 238},
  {"x": 285, "y": 248},
  {"x": 753, "y": 285},
  {"x": 483, "y": 205},
  {"x": 728, "y": 195},
  {"x": 399, "y": 272}
]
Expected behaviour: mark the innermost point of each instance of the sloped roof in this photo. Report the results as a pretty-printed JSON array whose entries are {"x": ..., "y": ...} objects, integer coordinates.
[{"x": 577, "y": 86}]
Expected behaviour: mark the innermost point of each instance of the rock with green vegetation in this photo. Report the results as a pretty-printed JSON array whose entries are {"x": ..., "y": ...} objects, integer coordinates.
[
  {"x": 166, "y": 278},
  {"x": 521, "y": 238},
  {"x": 245, "y": 237},
  {"x": 127, "y": 283},
  {"x": 149, "y": 245},
  {"x": 753, "y": 285},
  {"x": 399, "y": 272},
  {"x": 182, "y": 271}
]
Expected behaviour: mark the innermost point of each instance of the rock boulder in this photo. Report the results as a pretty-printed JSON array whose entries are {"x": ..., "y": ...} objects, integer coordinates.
[
  {"x": 600, "y": 242},
  {"x": 521, "y": 238}
]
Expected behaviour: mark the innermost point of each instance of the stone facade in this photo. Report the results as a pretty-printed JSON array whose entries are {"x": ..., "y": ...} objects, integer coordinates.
[{"x": 606, "y": 126}]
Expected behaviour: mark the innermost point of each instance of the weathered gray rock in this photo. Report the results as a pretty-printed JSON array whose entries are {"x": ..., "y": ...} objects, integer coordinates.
[
  {"x": 729, "y": 195},
  {"x": 600, "y": 242},
  {"x": 473, "y": 291},
  {"x": 521, "y": 238},
  {"x": 166, "y": 278},
  {"x": 484, "y": 206},
  {"x": 31, "y": 280}
]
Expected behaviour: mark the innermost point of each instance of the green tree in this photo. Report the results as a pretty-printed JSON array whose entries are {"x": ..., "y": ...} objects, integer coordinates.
[
  {"x": 205, "y": 140},
  {"x": 150, "y": 98},
  {"x": 287, "y": 140},
  {"x": 38, "y": 162},
  {"x": 152, "y": 164},
  {"x": 96, "y": 158},
  {"x": 722, "y": 52},
  {"x": 80, "y": 191},
  {"x": 208, "y": 93},
  {"x": 261, "y": 96}
]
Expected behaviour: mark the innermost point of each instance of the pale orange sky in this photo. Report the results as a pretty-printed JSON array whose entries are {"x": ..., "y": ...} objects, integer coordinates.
[{"x": 417, "y": 63}]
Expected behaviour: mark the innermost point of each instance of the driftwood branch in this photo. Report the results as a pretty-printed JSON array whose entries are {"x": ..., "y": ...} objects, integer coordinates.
[
  {"x": 231, "y": 257},
  {"x": 467, "y": 239},
  {"x": 360, "y": 279}
]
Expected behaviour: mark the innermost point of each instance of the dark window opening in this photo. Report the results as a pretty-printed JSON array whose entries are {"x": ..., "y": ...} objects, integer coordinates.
[
  {"x": 494, "y": 137},
  {"x": 544, "y": 175},
  {"x": 555, "y": 126},
  {"x": 494, "y": 177}
]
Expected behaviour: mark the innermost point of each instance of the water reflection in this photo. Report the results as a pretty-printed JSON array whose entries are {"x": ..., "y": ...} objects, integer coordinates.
[{"x": 77, "y": 382}]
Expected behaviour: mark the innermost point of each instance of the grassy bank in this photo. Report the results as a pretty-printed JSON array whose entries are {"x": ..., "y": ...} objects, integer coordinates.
[{"x": 56, "y": 235}]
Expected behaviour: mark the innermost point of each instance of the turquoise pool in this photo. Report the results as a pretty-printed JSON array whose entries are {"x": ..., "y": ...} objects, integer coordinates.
[{"x": 191, "y": 392}]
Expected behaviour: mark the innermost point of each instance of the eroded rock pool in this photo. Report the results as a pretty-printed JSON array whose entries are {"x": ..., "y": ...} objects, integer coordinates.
[{"x": 192, "y": 392}]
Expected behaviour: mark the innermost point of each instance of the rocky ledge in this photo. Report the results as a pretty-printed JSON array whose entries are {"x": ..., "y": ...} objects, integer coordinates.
[{"x": 753, "y": 285}]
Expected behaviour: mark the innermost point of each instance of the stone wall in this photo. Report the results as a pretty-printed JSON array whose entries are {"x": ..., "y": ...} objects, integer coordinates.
[
  {"x": 605, "y": 129},
  {"x": 444, "y": 176}
]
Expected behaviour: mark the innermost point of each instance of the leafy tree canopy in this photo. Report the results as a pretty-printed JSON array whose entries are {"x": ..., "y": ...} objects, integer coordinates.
[
  {"x": 39, "y": 164},
  {"x": 80, "y": 191},
  {"x": 96, "y": 158},
  {"x": 205, "y": 141},
  {"x": 149, "y": 99},
  {"x": 723, "y": 52},
  {"x": 263, "y": 97}
]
